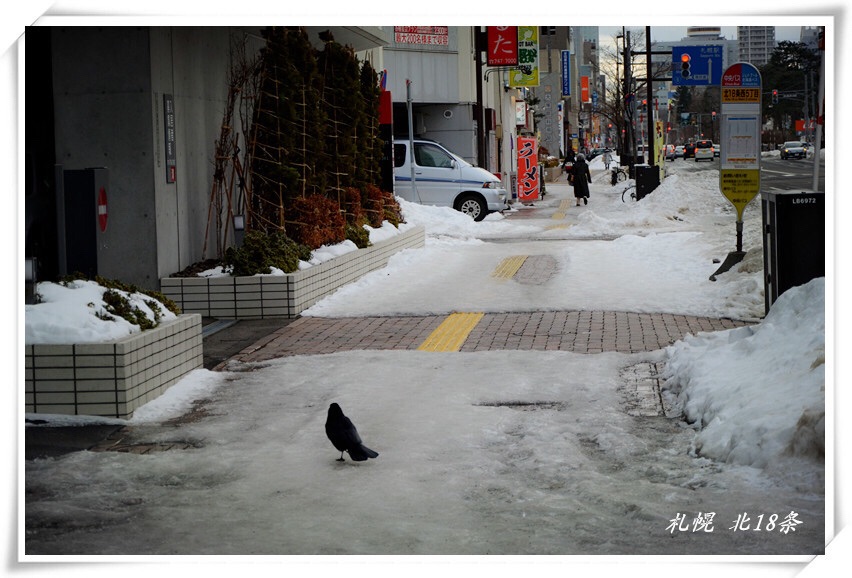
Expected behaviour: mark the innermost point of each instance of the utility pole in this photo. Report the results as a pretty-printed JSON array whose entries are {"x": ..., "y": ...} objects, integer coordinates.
[
  {"x": 628, "y": 126},
  {"x": 649, "y": 84},
  {"x": 480, "y": 44}
]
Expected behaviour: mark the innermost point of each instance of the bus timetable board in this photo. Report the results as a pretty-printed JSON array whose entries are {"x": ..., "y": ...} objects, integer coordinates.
[{"x": 739, "y": 174}]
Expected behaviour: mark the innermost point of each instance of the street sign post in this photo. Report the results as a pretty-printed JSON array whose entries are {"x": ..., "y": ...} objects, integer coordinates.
[
  {"x": 696, "y": 65},
  {"x": 739, "y": 174}
]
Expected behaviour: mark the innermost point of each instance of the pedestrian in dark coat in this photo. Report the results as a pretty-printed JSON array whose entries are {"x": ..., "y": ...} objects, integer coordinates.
[{"x": 581, "y": 177}]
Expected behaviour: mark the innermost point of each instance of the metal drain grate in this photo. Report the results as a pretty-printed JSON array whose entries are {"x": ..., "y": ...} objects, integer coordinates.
[
  {"x": 120, "y": 442},
  {"x": 641, "y": 394},
  {"x": 526, "y": 405}
]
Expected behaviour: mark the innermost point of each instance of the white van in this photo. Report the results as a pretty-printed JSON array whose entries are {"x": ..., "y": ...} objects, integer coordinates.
[{"x": 446, "y": 180}]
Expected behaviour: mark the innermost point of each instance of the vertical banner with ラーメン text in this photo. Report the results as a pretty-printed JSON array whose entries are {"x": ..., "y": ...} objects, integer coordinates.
[{"x": 529, "y": 177}]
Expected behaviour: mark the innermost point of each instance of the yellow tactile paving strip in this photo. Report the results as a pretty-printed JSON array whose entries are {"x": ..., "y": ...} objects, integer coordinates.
[
  {"x": 451, "y": 334},
  {"x": 562, "y": 210},
  {"x": 509, "y": 266}
]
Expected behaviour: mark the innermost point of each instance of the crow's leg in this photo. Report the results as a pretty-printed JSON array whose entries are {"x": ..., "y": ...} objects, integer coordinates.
[{"x": 340, "y": 459}]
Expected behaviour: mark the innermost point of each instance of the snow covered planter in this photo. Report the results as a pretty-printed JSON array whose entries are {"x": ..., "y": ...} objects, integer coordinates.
[
  {"x": 284, "y": 295},
  {"x": 82, "y": 359}
]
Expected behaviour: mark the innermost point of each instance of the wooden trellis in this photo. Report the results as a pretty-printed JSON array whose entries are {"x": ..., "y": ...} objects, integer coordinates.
[{"x": 295, "y": 141}]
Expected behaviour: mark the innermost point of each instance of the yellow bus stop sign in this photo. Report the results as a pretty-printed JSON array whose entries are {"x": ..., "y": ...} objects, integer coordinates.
[
  {"x": 740, "y": 186},
  {"x": 739, "y": 172}
]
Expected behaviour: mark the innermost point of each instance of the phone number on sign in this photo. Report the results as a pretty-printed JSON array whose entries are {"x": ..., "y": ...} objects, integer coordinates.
[{"x": 704, "y": 522}]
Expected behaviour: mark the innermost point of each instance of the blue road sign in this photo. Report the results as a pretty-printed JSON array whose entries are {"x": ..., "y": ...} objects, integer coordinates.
[
  {"x": 696, "y": 65},
  {"x": 566, "y": 73}
]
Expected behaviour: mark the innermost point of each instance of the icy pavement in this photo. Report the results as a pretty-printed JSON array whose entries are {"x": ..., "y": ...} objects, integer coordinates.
[{"x": 483, "y": 452}]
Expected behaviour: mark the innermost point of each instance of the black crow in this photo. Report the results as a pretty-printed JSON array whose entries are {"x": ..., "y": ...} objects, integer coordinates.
[{"x": 344, "y": 436}]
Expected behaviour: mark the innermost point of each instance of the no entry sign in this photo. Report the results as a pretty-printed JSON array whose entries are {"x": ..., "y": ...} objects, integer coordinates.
[{"x": 102, "y": 209}]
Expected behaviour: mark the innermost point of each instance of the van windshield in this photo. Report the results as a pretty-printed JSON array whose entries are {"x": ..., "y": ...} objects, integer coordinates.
[{"x": 428, "y": 155}]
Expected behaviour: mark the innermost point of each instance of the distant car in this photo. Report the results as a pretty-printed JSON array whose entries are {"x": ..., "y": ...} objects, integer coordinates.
[
  {"x": 678, "y": 153},
  {"x": 793, "y": 150},
  {"x": 670, "y": 152},
  {"x": 716, "y": 149},
  {"x": 704, "y": 150},
  {"x": 689, "y": 150}
]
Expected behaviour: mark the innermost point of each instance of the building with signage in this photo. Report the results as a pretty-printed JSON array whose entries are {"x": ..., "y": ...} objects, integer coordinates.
[
  {"x": 433, "y": 66},
  {"x": 135, "y": 112}
]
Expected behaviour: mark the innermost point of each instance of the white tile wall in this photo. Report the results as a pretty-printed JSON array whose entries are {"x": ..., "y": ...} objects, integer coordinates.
[
  {"x": 283, "y": 295},
  {"x": 111, "y": 379}
]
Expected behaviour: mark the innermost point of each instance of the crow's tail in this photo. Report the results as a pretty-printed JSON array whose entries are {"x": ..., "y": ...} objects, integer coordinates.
[{"x": 361, "y": 453}]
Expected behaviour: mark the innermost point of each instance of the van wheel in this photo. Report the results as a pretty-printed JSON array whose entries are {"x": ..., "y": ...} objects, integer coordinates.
[{"x": 472, "y": 205}]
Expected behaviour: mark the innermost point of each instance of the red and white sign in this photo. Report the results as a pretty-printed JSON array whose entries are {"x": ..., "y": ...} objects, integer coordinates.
[
  {"x": 102, "y": 209},
  {"x": 424, "y": 35},
  {"x": 529, "y": 177},
  {"x": 502, "y": 46},
  {"x": 584, "y": 89}
]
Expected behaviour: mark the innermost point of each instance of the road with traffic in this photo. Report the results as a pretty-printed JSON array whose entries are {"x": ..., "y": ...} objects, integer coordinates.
[{"x": 782, "y": 175}]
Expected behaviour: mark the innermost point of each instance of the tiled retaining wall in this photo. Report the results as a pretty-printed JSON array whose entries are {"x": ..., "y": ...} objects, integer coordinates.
[
  {"x": 266, "y": 296},
  {"x": 111, "y": 379}
]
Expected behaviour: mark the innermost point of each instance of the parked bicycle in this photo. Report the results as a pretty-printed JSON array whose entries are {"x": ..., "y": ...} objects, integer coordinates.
[
  {"x": 619, "y": 174},
  {"x": 629, "y": 192}
]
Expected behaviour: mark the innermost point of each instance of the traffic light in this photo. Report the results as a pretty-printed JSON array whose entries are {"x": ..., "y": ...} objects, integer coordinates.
[
  {"x": 774, "y": 96},
  {"x": 713, "y": 114},
  {"x": 684, "y": 65}
]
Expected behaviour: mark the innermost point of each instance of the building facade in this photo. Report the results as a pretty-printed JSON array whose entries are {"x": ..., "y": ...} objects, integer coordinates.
[
  {"x": 140, "y": 109},
  {"x": 756, "y": 44}
]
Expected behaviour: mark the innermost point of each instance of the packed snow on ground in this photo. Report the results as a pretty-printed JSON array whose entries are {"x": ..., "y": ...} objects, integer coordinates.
[
  {"x": 500, "y": 452},
  {"x": 654, "y": 255}
]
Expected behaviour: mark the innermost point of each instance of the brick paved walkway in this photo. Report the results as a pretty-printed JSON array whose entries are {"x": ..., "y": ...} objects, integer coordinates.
[{"x": 578, "y": 331}]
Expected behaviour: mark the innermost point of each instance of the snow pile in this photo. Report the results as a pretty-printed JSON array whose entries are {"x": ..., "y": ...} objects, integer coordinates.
[
  {"x": 756, "y": 393},
  {"x": 77, "y": 313},
  {"x": 447, "y": 222},
  {"x": 326, "y": 252}
]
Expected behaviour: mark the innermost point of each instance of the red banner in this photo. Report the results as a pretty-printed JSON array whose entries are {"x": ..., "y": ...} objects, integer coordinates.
[
  {"x": 502, "y": 46},
  {"x": 584, "y": 89},
  {"x": 529, "y": 176}
]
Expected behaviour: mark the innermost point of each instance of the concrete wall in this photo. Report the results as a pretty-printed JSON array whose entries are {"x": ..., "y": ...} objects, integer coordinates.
[
  {"x": 102, "y": 109},
  {"x": 108, "y": 92}
]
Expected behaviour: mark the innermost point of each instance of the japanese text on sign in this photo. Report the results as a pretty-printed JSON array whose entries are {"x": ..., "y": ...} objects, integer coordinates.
[
  {"x": 528, "y": 171},
  {"x": 171, "y": 153},
  {"x": 502, "y": 45},
  {"x": 740, "y": 95},
  {"x": 738, "y": 180},
  {"x": 427, "y": 35},
  {"x": 527, "y": 73}
]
